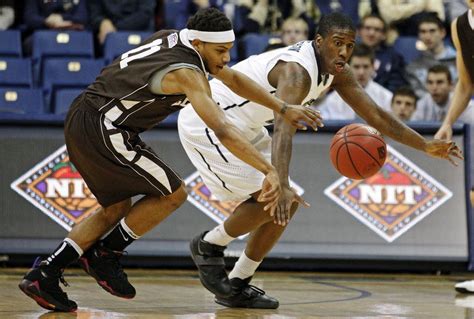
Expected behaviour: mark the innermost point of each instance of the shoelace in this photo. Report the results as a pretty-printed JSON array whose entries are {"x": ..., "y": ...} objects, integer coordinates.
[{"x": 251, "y": 291}]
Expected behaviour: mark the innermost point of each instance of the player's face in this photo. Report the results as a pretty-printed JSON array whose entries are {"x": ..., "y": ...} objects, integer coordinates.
[
  {"x": 403, "y": 106},
  {"x": 372, "y": 32},
  {"x": 438, "y": 86},
  {"x": 431, "y": 35},
  {"x": 363, "y": 69},
  {"x": 336, "y": 49},
  {"x": 215, "y": 55}
]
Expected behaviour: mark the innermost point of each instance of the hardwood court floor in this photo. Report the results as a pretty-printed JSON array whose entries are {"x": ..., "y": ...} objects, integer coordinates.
[{"x": 178, "y": 294}]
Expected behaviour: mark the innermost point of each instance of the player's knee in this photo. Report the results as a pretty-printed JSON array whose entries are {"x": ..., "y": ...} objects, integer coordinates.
[
  {"x": 112, "y": 214},
  {"x": 178, "y": 197}
]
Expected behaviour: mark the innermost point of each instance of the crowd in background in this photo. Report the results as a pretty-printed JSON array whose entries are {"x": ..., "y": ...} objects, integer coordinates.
[{"x": 416, "y": 88}]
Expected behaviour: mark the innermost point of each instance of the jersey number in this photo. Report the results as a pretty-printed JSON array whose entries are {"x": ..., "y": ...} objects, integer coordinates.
[{"x": 144, "y": 51}]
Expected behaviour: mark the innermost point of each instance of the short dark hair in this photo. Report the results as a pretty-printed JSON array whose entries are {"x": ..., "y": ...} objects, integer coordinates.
[
  {"x": 209, "y": 19},
  {"x": 441, "y": 68},
  {"x": 363, "y": 51},
  {"x": 335, "y": 20},
  {"x": 374, "y": 16},
  {"x": 431, "y": 18},
  {"x": 405, "y": 91}
]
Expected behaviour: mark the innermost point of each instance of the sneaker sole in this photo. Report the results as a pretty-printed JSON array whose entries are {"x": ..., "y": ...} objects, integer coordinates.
[
  {"x": 230, "y": 305},
  {"x": 102, "y": 283},
  {"x": 203, "y": 282},
  {"x": 31, "y": 290}
]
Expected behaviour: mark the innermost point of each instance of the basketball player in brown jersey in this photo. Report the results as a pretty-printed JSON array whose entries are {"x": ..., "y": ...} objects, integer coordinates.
[
  {"x": 462, "y": 32},
  {"x": 298, "y": 74},
  {"x": 131, "y": 95}
]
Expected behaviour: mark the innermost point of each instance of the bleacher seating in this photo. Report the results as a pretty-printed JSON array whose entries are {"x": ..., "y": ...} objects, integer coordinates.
[
  {"x": 254, "y": 43},
  {"x": 120, "y": 42},
  {"x": 10, "y": 43},
  {"x": 407, "y": 47},
  {"x": 15, "y": 72},
  {"x": 21, "y": 101},
  {"x": 62, "y": 73},
  {"x": 63, "y": 99}
]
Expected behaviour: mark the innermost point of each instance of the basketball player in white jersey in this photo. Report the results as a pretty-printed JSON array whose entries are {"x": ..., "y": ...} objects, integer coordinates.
[{"x": 296, "y": 74}]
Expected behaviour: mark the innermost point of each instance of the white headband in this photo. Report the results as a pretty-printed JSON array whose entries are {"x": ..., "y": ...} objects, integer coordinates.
[{"x": 212, "y": 36}]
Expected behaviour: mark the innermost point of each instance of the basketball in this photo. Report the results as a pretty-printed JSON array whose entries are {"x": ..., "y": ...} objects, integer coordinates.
[{"x": 358, "y": 151}]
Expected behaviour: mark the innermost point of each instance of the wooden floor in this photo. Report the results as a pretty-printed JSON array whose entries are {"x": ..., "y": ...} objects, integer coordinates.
[{"x": 178, "y": 294}]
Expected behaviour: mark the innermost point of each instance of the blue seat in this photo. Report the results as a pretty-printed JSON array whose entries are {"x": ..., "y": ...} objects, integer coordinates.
[
  {"x": 62, "y": 73},
  {"x": 21, "y": 101},
  {"x": 407, "y": 47},
  {"x": 254, "y": 43},
  {"x": 48, "y": 43},
  {"x": 119, "y": 42},
  {"x": 10, "y": 43},
  {"x": 176, "y": 14},
  {"x": 63, "y": 99},
  {"x": 15, "y": 72}
]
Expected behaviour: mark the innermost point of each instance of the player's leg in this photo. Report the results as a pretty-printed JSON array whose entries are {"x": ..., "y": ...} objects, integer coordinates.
[
  {"x": 261, "y": 241},
  {"x": 42, "y": 282},
  {"x": 102, "y": 260}
]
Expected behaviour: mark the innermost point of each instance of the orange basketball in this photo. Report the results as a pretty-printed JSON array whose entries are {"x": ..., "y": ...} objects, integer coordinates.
[{"x": 358, "y": 151}]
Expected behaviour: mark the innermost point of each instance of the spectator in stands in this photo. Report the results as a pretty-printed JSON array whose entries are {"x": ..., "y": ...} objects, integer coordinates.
[
  {"x": 109, "y": 16},
  {"x": 433, "y": 106},
  {"x": 389, "y": 64},
  {"x": 404, "y": 103},
  {"x": 181, "y": 10},
  {"x": 333, "y": 107},
  {"x": 57, "y": 15},
  {"x": 7, "y": 14},
  {"x": 267, "y": 16},
  {"x": 431, "y": 32},
  {"x": 454, "y": 8},
  {"x": 293, "y": 30},
  {"x": 404, "y": 15}
]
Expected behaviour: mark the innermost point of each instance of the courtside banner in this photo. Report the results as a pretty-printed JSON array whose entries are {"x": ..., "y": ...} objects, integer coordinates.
[
  {"x": 200, "y": 196},
  {"x": 392, "y": 201},
  {"x": 57, "y": 189}
]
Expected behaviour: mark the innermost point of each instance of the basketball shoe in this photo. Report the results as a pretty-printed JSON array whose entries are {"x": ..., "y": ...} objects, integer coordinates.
[
  {"x": 41, "y": 284},
  {"x": 209, "y": 259},
  {"x": 104, "y": 265},
  {"x": 247, "y": 296}
]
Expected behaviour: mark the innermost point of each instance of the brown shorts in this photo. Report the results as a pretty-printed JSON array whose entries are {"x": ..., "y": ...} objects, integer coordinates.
[{"x": 115, "y": 163}]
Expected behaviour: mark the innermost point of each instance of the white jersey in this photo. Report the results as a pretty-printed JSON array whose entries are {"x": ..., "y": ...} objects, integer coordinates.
[
  {"x": 225, "y": 175},
  {"x": 250, "y": 117}
]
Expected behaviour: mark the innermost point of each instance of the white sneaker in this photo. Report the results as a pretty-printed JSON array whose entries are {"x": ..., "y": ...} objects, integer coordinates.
[{"x": 465, "y": 287}]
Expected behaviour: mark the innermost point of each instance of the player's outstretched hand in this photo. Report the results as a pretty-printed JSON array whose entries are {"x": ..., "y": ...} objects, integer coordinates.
[
  {"x": 444, "y": 149},
  {"x": 297, "y": 115},
  {"x": 271, "y": 191},
  {"x": 282, "y": 213},
  {"x": 445, "y": 132}
]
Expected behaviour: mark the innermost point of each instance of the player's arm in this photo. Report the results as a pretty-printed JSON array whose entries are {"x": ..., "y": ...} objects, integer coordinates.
[
  {"x": 249, "y": 89},
  {"x": 462, "y": 91},
  {"x": 293, "y": 84},
  {"x": 355, "y": 96},
  {"x": 196, "y": 87}
]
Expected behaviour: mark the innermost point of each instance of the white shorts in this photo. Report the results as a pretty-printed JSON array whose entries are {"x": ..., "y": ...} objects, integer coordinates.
[{"x": 226, "y": 176}]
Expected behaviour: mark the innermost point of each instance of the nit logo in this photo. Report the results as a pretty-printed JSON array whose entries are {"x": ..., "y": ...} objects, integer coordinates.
[
  {"x": 200, "y": 196},
  {"x": 392, "y": 201},
  {"x": 56, "y": 188}
]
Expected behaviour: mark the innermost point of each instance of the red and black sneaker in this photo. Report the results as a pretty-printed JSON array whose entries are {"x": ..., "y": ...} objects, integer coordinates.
[
  {"x": 42, "y": 285},
  {"x": 103, "y": 264}
]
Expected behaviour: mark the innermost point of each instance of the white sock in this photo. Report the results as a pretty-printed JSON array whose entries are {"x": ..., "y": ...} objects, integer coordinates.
[
  {"x": 244, "y": 267},
  {"x": 128, "y": 230},
  {"x": 218, "y": 236}
]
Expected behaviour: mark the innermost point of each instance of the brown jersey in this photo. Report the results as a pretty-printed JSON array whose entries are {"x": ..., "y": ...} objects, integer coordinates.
[
  {"x": 466, "y": 39},
  {"x": 122, "y": 91}
]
